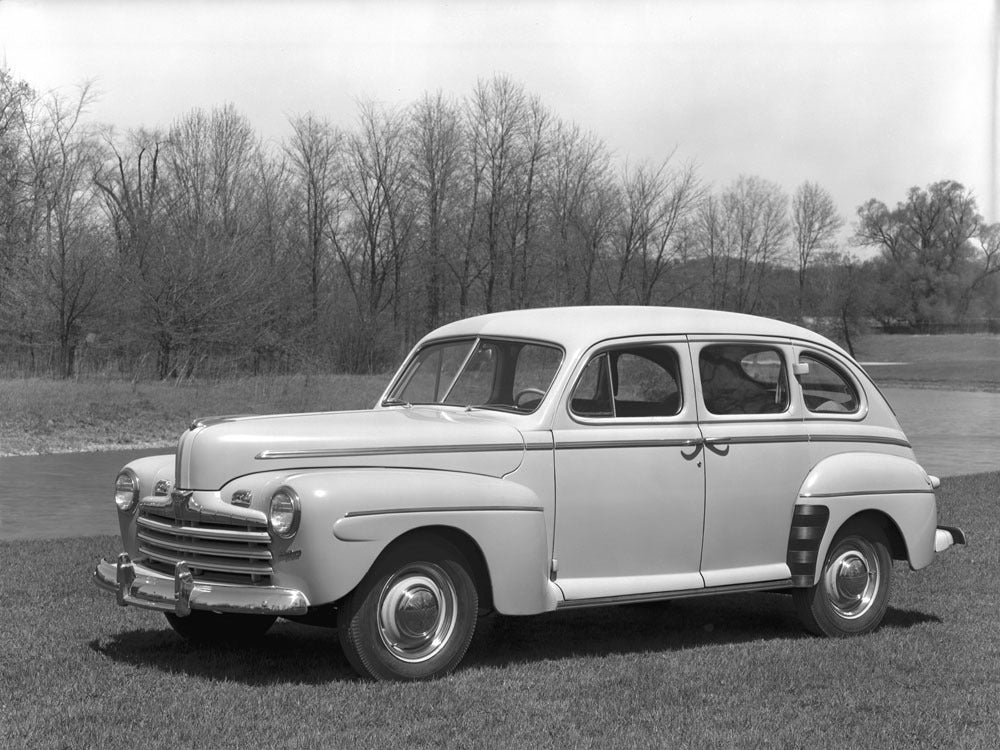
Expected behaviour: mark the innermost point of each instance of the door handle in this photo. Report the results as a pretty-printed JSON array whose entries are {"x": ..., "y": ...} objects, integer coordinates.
[
  {"x": 719, "y": 446},
  {"x": 696, "y": 446}
]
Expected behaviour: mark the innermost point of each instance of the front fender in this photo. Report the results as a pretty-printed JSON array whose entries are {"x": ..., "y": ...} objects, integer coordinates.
[
  {"x": 349, "y": 516},
  {"x": 845, "y": 485}
]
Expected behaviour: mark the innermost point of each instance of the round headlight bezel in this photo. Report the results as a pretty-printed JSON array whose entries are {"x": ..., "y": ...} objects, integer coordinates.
[
  {"x": 284, "y": 513},
  {"x": 126, "y": 490}
]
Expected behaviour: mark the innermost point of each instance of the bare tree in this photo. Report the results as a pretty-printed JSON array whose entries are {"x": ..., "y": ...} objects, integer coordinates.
[
  {"x": 436, "y": 151},
  {"x": 657, "y": 205},
  {"x": 743, "y": 233},
  {"x": 815, "y": 224},
  {"x": 581, "y": 203},
  {"x": 374, "y": 243},
  {"x": 496, "y": 115},
  {"x": 64, "y": 268},
  {"x": 17, "y": 208},
  {"x": 316, "y": 153},
  {"x": 184, "y": 210},
  {"x": 534, "y": 143}
]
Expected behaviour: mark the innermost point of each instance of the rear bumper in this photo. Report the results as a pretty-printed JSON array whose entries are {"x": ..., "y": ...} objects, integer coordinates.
[
  {"x": 136, "y": 585},
  {"x": 946, "y": 536}
]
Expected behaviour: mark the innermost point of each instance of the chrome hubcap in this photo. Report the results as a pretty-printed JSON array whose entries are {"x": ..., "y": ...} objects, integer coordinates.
[
  {"x": 417, "y": 612},
  {"x": 851, "y": 580}
]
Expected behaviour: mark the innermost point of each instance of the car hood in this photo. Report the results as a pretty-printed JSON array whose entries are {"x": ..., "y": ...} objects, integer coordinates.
[{"x": 217, "y": 450}]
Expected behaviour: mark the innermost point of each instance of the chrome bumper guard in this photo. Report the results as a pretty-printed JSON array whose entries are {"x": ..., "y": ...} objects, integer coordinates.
[
  {"x": 142, "y": 587},
  {"x": 946, "y": 536}
]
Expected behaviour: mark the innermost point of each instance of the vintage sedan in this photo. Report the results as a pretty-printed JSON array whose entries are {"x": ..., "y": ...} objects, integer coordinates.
[{"x": 528, "y": 461}]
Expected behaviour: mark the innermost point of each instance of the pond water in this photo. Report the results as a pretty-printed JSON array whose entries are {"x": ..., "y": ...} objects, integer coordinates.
[
  {"x": 68, "y": 495},
  {"x": 953, "y": 432}
]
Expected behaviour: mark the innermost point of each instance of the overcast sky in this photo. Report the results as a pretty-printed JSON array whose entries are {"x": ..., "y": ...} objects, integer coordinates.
[{"x": 865, "y": 97}]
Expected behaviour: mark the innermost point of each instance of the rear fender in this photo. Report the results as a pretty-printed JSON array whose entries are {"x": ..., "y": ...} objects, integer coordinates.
[{"x": 847, "y": 485}]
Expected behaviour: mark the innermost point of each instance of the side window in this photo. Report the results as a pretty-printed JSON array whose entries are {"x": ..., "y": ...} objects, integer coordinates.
[
  {"x": 743, "y": 379},
  {"x": 635, "y": 382},
  {"x": 827, "y": 390}
]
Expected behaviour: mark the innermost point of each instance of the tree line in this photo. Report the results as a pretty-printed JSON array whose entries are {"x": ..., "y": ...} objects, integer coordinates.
[{"x": 199, "y": 248}]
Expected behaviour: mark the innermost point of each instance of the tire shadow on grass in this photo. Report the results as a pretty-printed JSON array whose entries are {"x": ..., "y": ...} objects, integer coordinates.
[
  {"x": 295, "y": 653},
  {"x": 289, "y": 653},
  {"x": 666, "y": 626}
]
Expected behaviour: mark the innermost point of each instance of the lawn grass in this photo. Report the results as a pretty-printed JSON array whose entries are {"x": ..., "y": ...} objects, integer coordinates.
[{"x": 734, "y": 671}]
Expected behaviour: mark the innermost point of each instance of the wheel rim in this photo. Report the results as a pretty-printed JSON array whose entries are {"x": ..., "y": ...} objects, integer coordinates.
[
  {"x": 417, "y": 612},
  {"x": 852, "y": 579}
]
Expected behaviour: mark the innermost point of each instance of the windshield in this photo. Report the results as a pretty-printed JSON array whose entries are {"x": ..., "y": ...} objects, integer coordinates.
[{"x": 488, "y": 373}]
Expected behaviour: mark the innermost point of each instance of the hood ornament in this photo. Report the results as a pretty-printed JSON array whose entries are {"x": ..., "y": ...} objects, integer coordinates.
[{"x": 183, "y": 501}]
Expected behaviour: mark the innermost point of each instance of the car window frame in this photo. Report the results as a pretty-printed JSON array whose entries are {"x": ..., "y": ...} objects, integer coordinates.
[
  {"x": 677, "y": 343},
  {"x": 845, "y": 368},
  {"x": 795, "y": 410},
  {"x": 403, "y": 374}
]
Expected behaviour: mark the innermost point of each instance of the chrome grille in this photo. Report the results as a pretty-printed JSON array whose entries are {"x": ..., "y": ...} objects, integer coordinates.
[{"x": 219, "y": 550}]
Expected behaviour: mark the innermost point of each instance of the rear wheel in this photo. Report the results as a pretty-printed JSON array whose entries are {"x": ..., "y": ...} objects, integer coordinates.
[
  {"x": 413, "y": 615},
  {"x": 211, "y": 627},
  {"x": 853, "y": 590}
]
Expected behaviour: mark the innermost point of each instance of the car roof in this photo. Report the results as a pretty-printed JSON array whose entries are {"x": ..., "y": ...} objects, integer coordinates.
[{"x": 576, "y": 328}]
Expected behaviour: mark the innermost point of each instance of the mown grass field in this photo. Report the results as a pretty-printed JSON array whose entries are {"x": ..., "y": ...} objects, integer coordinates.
[
  {"x": 737, "y": 671},
  {"x": 955, "y": 361}
]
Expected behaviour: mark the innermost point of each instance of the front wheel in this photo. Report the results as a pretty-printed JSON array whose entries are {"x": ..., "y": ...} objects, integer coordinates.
[
  {"x": 413, "y": 615},
  {"x": 853, "y": 590}
]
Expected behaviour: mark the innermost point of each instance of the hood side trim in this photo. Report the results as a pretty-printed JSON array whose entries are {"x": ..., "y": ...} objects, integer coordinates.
[{"x": 269, "y": 455}]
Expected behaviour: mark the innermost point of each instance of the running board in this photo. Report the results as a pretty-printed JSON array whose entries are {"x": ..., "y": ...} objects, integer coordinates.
[{"x": 740, "y": 588}]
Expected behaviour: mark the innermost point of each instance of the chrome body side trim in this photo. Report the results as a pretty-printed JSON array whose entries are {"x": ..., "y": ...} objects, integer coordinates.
[
  {"x": 863, "y": 493},
  {"x": 685, "y": 594},
  {"x": 446, "y": 509},
  {"x": 268, "y": 455}
]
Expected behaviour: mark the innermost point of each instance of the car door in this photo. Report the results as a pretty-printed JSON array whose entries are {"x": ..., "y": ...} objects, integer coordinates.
[
  {"x": 756, "y": 455},
  {"x": 629, "y": 474}
]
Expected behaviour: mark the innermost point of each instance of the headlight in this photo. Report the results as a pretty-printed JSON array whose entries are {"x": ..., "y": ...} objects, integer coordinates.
[
  {"x": 283, "y": 515},
  {"x": 126, "y": 490}
]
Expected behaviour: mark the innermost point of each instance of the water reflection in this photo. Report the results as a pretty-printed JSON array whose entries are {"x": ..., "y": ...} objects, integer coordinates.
[{"x": 70, "y": 495}]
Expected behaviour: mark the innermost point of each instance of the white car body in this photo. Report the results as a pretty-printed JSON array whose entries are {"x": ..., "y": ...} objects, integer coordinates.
[{"x": 659, "y": 486}]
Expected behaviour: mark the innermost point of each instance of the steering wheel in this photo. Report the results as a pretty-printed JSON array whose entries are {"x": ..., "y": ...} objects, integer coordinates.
[{"x": 528, "y": 392}]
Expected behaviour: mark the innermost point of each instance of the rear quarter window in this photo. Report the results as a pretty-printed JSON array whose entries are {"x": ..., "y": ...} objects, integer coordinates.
[{"x": 826, "y": 389}]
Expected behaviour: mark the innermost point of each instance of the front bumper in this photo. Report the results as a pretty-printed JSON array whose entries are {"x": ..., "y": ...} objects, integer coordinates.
[{"x": 142, "y": 587}]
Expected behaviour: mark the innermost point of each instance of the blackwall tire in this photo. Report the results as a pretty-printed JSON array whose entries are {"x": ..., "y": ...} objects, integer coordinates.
[
  {"x": 852, "y": 593},
  {"x": 413, "y": 616}
]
